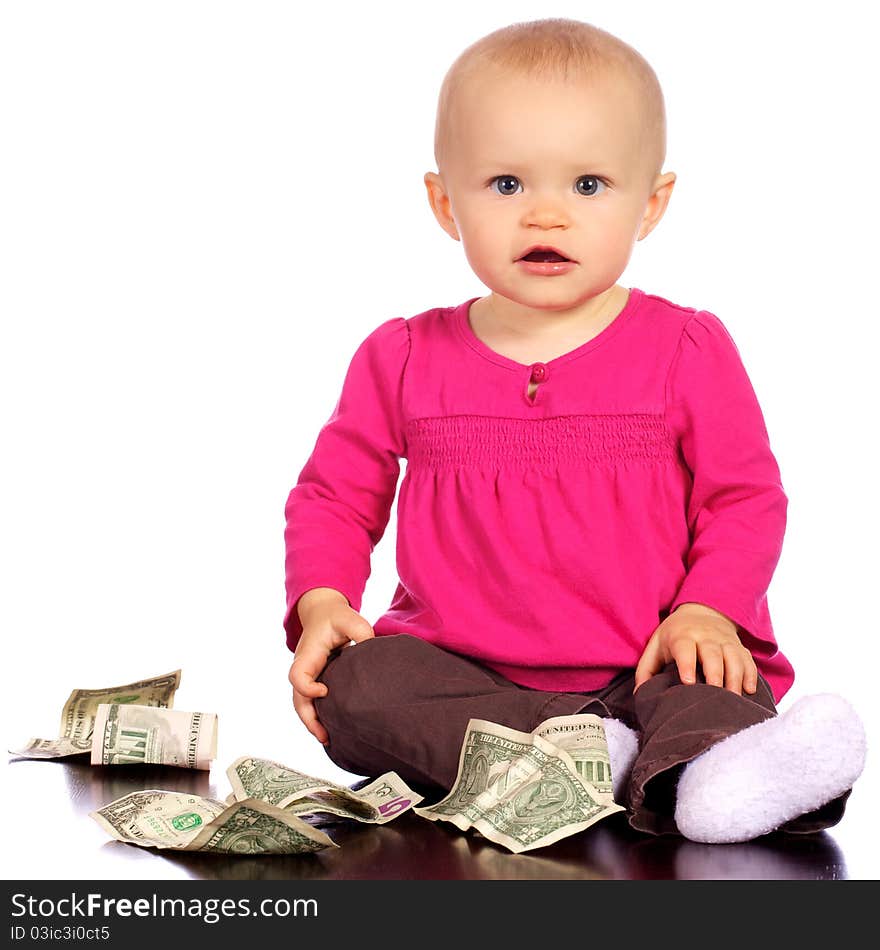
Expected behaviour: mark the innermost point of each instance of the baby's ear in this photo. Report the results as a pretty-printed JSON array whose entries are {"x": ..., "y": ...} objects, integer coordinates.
[
  {"x": 438, "y": 198},
  {"x": 657, "y": 203}
]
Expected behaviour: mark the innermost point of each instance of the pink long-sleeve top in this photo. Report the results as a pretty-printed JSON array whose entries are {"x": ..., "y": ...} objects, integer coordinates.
[{"x": 547, "y": 537}]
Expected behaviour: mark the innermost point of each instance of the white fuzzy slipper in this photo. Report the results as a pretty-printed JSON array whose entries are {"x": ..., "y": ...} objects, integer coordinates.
[
  {"x": 623, "y": 746},
  {"x": 752, "y": 782}
]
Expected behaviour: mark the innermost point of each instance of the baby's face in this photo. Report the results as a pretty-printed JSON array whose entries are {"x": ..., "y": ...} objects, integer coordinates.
[{"x": 549, "y": 163}]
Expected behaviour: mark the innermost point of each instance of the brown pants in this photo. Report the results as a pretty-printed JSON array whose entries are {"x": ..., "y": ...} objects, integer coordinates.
[{"x": 398, "y": 703}]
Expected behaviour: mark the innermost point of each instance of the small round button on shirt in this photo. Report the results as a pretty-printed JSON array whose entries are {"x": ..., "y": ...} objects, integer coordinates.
[{"x": 539, "y": 372}]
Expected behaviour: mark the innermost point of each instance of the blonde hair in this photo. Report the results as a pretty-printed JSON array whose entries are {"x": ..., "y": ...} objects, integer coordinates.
[{"x": 556, "y": 48}]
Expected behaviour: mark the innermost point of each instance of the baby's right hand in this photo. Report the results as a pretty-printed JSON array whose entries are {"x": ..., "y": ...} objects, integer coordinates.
[{"x": 328, "y": 623}]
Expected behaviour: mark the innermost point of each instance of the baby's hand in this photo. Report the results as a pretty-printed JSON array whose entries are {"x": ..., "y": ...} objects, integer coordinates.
[
  {"x": 326, "y": 626},
  {"x": 695, "y": 632}
]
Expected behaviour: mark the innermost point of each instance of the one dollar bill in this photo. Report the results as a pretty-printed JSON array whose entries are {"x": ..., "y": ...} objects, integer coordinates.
[
  {"x": 583, "y": 737},
  {"x": 177, "y": 820},
  {"x": 522, "y": 790},
  {"x": 80, "y": 710},
  {"x": 128, "y": 735},
  {"x": 297, "y": 793}
]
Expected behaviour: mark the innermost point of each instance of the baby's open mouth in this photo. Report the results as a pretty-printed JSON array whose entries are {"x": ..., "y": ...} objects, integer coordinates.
[{"x": 543, "y": 257}]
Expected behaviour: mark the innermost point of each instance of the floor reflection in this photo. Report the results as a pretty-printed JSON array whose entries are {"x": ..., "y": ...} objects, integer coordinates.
[
  {"x": 93, "y": 786},
  {"x": 772, "y": 858},
  {"x": 411, "y": 847}
]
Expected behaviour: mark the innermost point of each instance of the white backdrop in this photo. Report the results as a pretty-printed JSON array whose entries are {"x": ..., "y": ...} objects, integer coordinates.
[{"x": 206, "y": 206}]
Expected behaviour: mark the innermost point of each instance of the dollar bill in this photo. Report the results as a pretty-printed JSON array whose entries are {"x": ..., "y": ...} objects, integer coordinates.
[
  {"x": 128, "y": 735},
  {"x": 519, "y": 789},
  {"x": 177, "y": 820},
  {"x": 48, "y": 749},
  {"x": 297, "y": 793},
  {"x": 583, "y": 737},
  {"x": 78, "y": 714}
]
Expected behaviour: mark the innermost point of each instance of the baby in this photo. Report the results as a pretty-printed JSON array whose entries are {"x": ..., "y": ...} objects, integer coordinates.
[{"x": 591, "y": 513}]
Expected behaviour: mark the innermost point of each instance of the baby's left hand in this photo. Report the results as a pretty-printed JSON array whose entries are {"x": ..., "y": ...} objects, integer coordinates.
[{"x": 696, "y": 632}]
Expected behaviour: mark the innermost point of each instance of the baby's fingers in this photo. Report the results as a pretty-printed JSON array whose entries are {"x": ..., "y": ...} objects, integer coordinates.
[
  {"x": 651, "y": 662},
  {"x": 684, "y": 652},
  {"x": 307, "y": 666},
  {"x": 734, "y": 669},
  {"x": 306, "y": 684},
  {"x": 714, "y": 664},
  {"x": 749, "y": 672},
  {"x": 305, "y": 709}
]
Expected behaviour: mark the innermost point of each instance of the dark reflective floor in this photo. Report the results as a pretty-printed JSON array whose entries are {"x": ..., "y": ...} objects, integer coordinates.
[{"x": 55, "y": 838}]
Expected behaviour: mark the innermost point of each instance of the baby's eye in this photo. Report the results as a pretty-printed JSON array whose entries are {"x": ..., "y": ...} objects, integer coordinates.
[
  {"x": 589, "y": 185},
  {"x": 505, "y": 182}
]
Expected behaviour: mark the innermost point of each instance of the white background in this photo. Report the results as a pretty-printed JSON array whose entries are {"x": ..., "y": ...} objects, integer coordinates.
[{"x": 207, "y": 206}]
